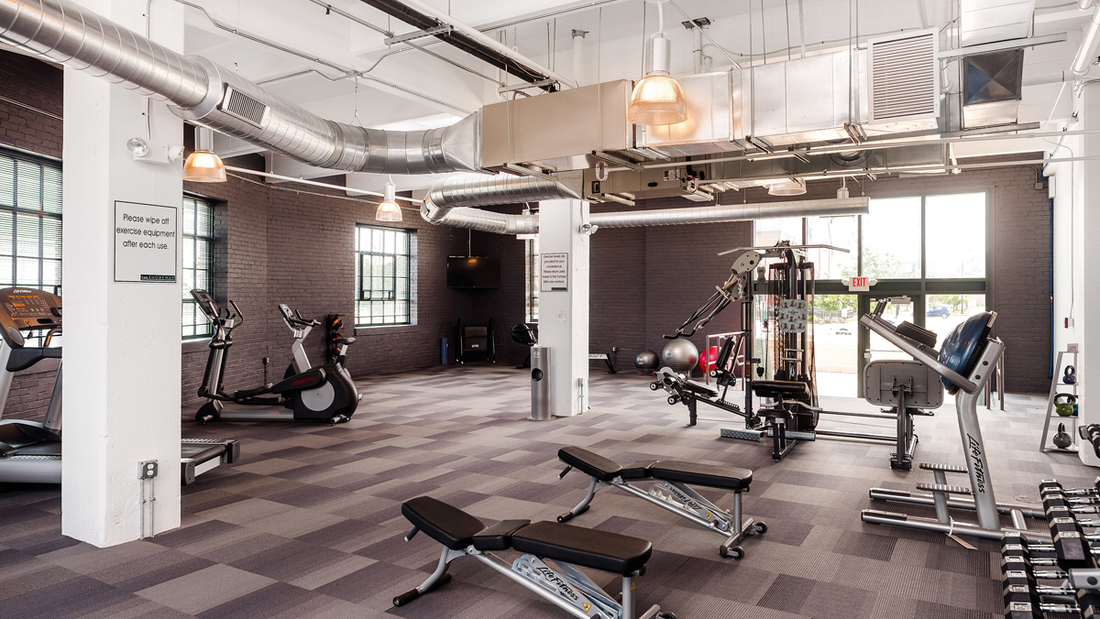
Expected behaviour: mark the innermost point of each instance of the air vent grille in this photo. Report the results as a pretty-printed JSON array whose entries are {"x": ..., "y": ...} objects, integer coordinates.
[
  {"x": 903, "y": 78},
  {"x": 244, "y": 107}
]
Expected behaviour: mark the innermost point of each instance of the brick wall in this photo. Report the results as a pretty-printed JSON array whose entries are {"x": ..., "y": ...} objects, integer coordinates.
[{"x": 31, "y": 105}]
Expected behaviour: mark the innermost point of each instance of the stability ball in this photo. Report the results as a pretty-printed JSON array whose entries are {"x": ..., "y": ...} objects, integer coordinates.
[
  {"x": 708, "y": 359},
  {"x": 680, "y": 355},
  {"x": 646, "y": 362}
]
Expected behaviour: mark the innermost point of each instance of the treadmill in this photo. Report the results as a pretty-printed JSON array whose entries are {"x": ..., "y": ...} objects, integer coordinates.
[{"x": 30, "y": 452}]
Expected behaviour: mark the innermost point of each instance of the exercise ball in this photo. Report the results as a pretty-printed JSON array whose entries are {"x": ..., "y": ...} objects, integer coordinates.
[
  {"x": 646, "y": 362},
  {"x": 680, "y": 355},
  {"x": 708, "y": 358}
]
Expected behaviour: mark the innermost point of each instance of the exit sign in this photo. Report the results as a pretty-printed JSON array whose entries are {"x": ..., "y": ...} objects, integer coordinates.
[{"x": 858, "y": 284}]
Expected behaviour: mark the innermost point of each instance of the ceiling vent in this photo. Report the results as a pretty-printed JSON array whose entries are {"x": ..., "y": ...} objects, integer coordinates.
[
  {"x": 903, "y": 83},
  {"x": 992, "y": 88},
  {"x": 242, "y": 106}
]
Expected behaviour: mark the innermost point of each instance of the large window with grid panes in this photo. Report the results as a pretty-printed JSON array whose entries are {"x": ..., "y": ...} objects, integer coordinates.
[
  {"x": 385, "y": 276},
  {"x": 30, "y": 222},
  {"x": 198, "y": 263}
]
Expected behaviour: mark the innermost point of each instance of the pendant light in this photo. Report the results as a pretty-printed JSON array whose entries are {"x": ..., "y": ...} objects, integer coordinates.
[
  {"x": 788, "y": 187},
  {"x": 203, "y": 166},
  {"x": 657, "y": 98},
  {"x": 388, "y": 210}
]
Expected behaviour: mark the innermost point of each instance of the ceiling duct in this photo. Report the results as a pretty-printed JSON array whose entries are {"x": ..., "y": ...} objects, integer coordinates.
[
  {"x": 993, "y": 88},
  {"x": 450, "y": 200},
  {"x": 987, "y": 21},
  {"x": 214, "y": 97},
  {"x": 442, "y": 26}
]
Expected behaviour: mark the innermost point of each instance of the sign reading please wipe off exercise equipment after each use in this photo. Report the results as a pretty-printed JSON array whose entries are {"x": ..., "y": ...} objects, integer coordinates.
[{"x": 145, "y": 242}]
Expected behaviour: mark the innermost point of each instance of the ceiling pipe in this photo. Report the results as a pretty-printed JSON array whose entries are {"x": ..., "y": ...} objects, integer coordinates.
[
  {"x": 1086, "y": 54},
  {"x": 470, "y": 40},
  {"x": 212, "y": 96},
  {"x": 450, "y": 203}
]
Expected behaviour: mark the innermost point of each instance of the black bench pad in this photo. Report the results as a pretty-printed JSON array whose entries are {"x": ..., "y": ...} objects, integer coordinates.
[
  {"x": 447, "y": 525},
  {"x": 499, "y": 536},
  {"x": 593, "y": 464},
  {"x": 600, "y": 550},
  {"x": 691, "y": 385},
  {"x": 702, "y": 474},
  {"x": 637, "y": 470},
  {"x": 781, "y": 388}
]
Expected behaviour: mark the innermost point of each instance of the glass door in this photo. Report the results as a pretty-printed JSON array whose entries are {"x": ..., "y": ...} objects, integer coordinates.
[{"x": 835, "y": 324}]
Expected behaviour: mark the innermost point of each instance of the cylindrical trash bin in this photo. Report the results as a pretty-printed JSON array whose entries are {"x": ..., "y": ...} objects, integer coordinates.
[{"x": 540, "y": 383}]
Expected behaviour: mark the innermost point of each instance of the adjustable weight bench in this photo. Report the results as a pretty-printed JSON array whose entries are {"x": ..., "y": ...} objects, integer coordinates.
[
  {"x": 567, "y": 546},
  {"x": 671, "y": 492}
]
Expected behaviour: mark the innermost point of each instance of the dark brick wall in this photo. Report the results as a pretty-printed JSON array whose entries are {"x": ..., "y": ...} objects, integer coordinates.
[{"x": 33, "y": 121}]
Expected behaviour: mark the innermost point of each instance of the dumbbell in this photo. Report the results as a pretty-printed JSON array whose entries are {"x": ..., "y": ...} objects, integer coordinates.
[{"x": 1069, "y": 539}]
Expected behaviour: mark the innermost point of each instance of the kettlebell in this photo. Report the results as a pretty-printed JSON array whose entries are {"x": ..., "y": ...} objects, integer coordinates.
[
  {"x": 1065, "y": 404},
  {"x": 1062, "y": 439},
  {"x": 1070, "y": 375}
]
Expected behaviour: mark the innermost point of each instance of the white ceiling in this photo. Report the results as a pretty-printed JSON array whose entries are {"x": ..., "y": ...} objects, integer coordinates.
[{"x": 412, "y": 89}]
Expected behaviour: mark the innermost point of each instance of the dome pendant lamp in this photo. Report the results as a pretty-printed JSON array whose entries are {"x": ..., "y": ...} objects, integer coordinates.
[
  {"x": 657, "y": 98},
  {"x": 203, "y": 166},
  {"x": 388, "y": 210}
]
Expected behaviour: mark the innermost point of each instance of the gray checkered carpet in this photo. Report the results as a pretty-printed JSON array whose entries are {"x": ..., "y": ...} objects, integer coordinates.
[{"x": 308, "y": 524}]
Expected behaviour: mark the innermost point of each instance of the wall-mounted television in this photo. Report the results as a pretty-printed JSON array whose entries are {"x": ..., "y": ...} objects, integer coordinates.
[{"x": 473, "y": 272}]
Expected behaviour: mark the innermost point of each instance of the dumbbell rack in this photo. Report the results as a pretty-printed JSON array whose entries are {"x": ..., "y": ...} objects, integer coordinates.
[
  {"x": 1059, "y": 578},
  {"x": 1055, "y": 388}
]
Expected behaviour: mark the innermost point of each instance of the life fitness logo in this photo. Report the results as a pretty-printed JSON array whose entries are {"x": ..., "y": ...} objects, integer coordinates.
[{"x": 302, "y": 381}]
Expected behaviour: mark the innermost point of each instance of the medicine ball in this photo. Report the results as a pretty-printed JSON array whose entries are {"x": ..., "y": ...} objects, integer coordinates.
[{"x": 680, "y": 355}]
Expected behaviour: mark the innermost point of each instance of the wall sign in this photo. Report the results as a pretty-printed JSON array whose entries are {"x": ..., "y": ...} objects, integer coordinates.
[
  {"x": 145, "y": 242},
  {"x": 554, "y": 274}
]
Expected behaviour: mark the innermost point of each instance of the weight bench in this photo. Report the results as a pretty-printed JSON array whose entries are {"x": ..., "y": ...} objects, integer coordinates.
[
  {"x": 671, "y": 492},
  {"x": 791, "y": 411},
  {"x": 567, "y": 546}
]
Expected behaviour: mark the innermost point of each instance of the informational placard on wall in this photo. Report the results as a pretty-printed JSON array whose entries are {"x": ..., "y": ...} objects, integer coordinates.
[
  {"x": 145, "y": 242},
  {"x": 791, "y": 316},
  {"x": 554, "y": 274}
]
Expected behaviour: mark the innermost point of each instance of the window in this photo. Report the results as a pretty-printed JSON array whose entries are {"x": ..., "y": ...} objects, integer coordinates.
[
  {"x": 198, "y": 263},
  {"x": 30, "y": 222},
  {"x": 531, "y": 267},
  {"x": 891, "y": 239},
  {"x": 955, "y": 226},
  {"x": 385, "y": 273}
]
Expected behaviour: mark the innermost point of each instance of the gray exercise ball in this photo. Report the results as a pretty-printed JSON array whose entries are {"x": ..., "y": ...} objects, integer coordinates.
[
  {"x": 647, "y": 362},
  {"x": 680, "y": 355}
]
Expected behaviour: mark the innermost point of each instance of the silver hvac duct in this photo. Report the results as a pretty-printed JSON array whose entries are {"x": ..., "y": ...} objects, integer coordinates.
[
  {"x": 731, "y": 212},
  {"x": 450, "y": 200},
  {"x": 212, "y": 96}
]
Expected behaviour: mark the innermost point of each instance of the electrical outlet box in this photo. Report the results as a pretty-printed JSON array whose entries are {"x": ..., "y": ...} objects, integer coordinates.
[{"x": 149, "y": 469}]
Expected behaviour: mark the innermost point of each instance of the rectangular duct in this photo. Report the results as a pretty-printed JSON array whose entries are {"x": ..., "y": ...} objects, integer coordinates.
[
  {"x": 558, "y": 131},
  {"x": 903, "y": 83},
  {"x": 801, "y": 101},
  {"x": 986, "y": 21}
]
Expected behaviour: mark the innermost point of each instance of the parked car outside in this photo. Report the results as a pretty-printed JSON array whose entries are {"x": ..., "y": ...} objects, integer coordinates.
[{"x": 939, "y": 310}]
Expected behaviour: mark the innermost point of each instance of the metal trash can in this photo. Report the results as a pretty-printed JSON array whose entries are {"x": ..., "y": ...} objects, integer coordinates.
[{"x": 540, "y": 383}]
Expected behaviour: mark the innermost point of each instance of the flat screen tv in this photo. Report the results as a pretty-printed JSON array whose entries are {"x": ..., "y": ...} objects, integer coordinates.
[{"x": 473, "y": 272}]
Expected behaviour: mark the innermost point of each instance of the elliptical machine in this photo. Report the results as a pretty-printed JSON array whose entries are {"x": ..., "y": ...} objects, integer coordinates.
[{"x": 306, "y": 393}]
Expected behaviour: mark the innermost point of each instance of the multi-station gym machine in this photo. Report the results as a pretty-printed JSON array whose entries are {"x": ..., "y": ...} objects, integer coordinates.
[{"x": 790, "y": 410}]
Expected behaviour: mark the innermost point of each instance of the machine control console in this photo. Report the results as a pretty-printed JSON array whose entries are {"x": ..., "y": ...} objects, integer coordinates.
[{"x": 27, "y": 309}]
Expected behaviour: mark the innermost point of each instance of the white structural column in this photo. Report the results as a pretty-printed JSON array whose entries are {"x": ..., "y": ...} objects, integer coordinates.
[
  {"x": 563, "y": 313},
  {"x": 121, "y": 339},
  {"x": 1087, "y": 271}
]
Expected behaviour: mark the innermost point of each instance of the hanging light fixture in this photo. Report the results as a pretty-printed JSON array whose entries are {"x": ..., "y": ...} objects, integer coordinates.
[
  {"x": 387, "y": 208},
  {"x": 788, "y": 187},
  {"x": 657, "y": 98},
  {"x": 203, "y": 166}
]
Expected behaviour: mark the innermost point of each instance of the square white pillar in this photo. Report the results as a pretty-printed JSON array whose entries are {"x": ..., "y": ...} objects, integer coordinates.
[
  {"x": 121, "y": 339},
  {"x": 563, "y": 303},
  {"x": 1086, "y": 257}
]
